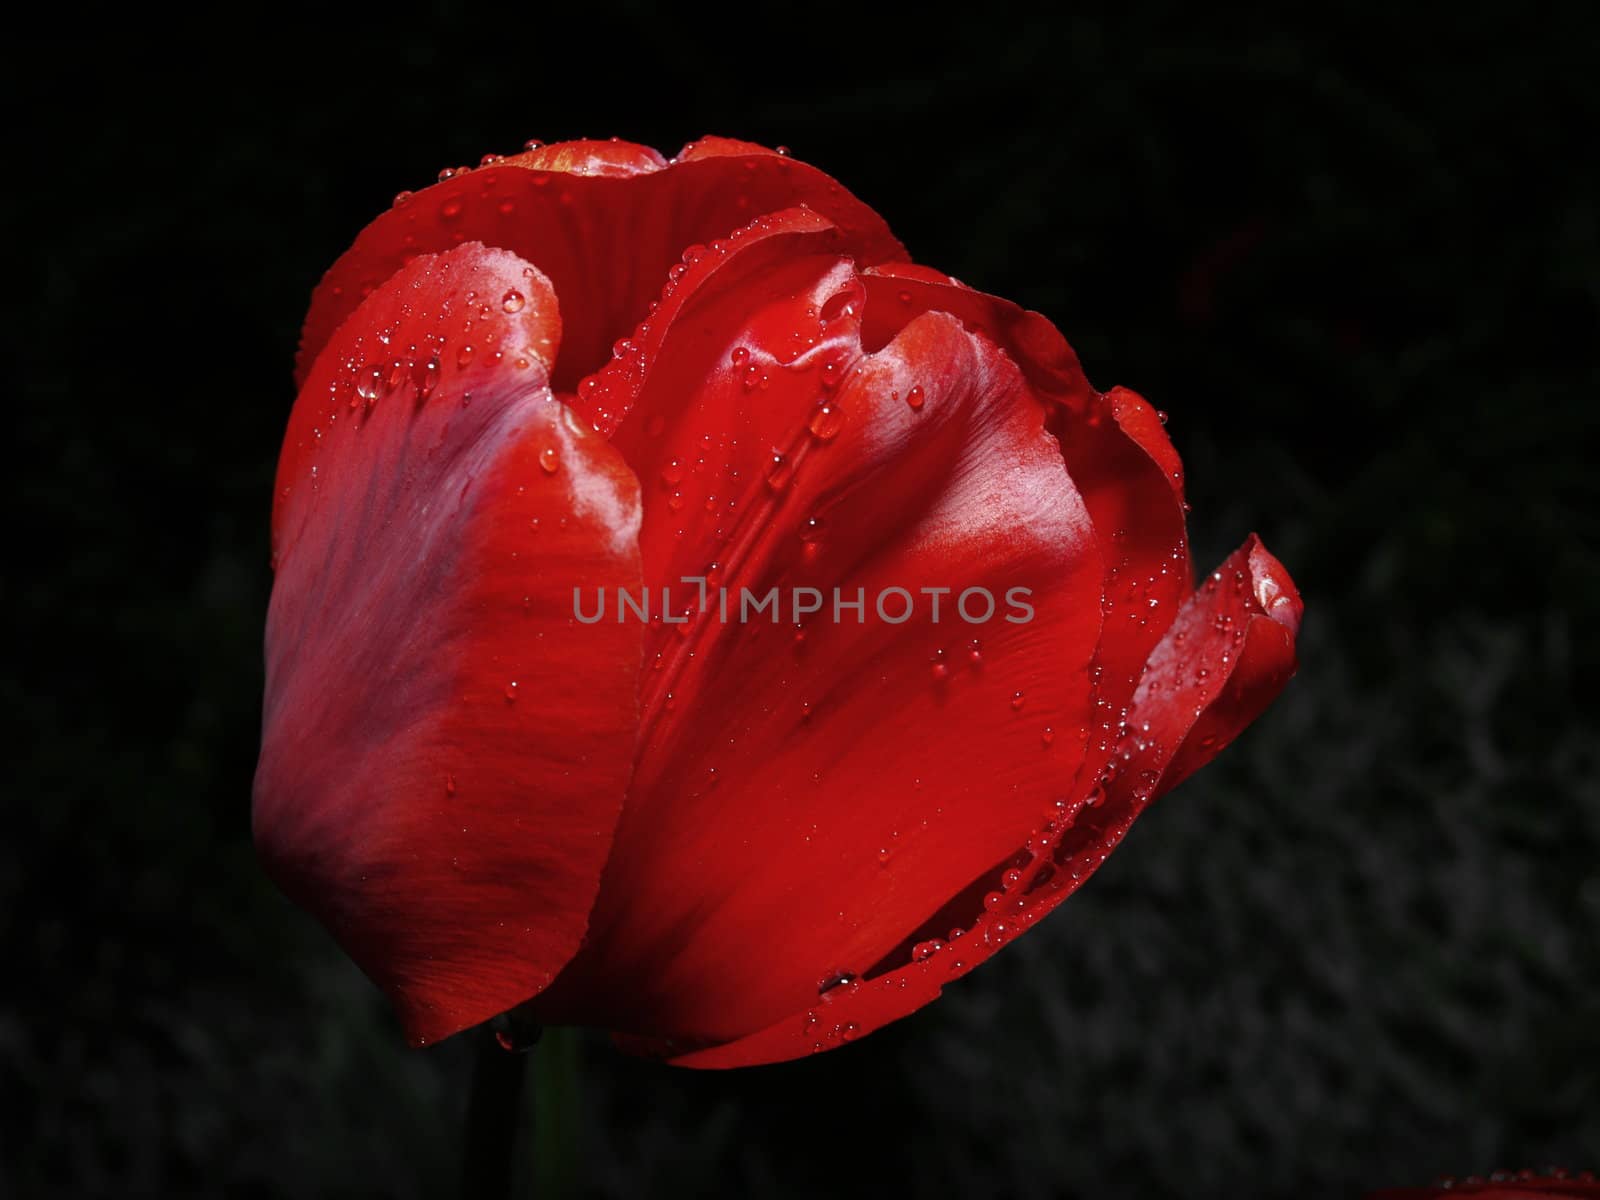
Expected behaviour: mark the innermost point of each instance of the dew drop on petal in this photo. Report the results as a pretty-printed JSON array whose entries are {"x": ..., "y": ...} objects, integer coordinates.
[
  {"x": 834, "y": 979},
  {"x": 369, "y": 382},
  {"x": 825, "y": 422}
]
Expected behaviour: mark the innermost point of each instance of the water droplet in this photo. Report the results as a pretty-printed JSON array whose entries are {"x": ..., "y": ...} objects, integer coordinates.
[
  {"x": 426, "y": 377},
  {"x": 825, "y": 422},
  {"x": 369, "y": 383},
  {"x": 739, "y": 355},
  {"x": 464, "y": 355},
  {"x": 1016, "y": 701},
  {"x": 941, "y": 669},
  {"x": 514, "y": 1033},
  {"x": 834, "y": 979},
  {"x": 811, "y": 530},
  {"x": 533, "y": 144},
  {"x": 450, "y": 210},
  {"x": 1048, "y": 735},
  {"x": 923, "y": 951},
  {"x": 512, "y": 301},
  {"x": 449, "y": 785},
  {"x": 844, "y": 303},
  {"x": 549, "y": 460},
  {"x": 511, "y": 692},
  {"x": 779, "y": 472},
  {"x": 915, "y": 397}
]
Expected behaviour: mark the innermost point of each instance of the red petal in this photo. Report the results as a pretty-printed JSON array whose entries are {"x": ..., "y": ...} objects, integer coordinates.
[
  {"x": 603, "y": 220},
  {"x": 800, "y": 807},
  {"x": 897, "y": 292},
  {"x": 1116, "y": 451},
  {"x": 445, "y": 750},
  {"x": 1132, "y": 483},
  {"x": 1262, "y": 618},
  {"x": 1226, "y": 655},
  {"x": 1503, "y": 1185}
]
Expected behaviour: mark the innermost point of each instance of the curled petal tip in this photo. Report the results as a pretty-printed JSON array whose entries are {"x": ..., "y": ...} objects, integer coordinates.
[{"x": 1274, "y": 589}]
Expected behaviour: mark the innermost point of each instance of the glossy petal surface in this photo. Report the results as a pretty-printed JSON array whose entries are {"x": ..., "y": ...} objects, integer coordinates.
[
  {"x": 1187, "y": 704},
  {"x": 444, "y": 749},
  {"x": 806, "y": 797},
  {"x": 604, "y": 221}
]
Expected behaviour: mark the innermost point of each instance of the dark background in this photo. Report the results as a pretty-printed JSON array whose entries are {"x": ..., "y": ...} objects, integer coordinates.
[{"x": 1358, "y": 263}]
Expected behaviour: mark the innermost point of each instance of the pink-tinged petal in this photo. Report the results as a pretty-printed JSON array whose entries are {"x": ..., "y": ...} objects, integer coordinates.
[
  {"x": 1262, "y": 619},
  {"x": 897, "y": 292},
  {"x": 1132, "y": 482},
  {"x": 805, "y": 798},
  {"x": 604, "y": 221},
  {"x": 445, "y": 749},
  {"x": 1116, "y": 451},
  {"x": 1233, "y": 628},
  {"x": 614, "y": 157}
]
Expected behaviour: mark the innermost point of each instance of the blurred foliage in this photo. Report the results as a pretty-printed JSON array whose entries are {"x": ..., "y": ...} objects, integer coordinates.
[{"x": 1357, "y": 262}]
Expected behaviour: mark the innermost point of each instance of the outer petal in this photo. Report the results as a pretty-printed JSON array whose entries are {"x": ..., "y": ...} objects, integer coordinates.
[
  {"x": 1116, "y": 451},
  {"x": 1233, "y": 629},
  {"x": 603, "y": 220},
  {"x": 802, "y": 803},
  {"x": 897, "y": 292},
  {"x": 444, "y": 749}
]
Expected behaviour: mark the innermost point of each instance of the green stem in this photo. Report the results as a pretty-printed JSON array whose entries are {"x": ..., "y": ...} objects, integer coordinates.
[
  {"x": 556, "y": 1103},
  {"x": 489, "y": 1144}
]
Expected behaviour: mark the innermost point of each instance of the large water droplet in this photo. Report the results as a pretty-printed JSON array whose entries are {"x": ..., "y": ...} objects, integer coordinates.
[
  {"x": 826, "y": 422},
  {"x": 834, "y": 979}
]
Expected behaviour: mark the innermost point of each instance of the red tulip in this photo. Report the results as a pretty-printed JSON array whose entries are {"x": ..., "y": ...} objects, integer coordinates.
[
  {"x": 1504, "y": 1185},
  {"x": 730, "y": 843}
]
